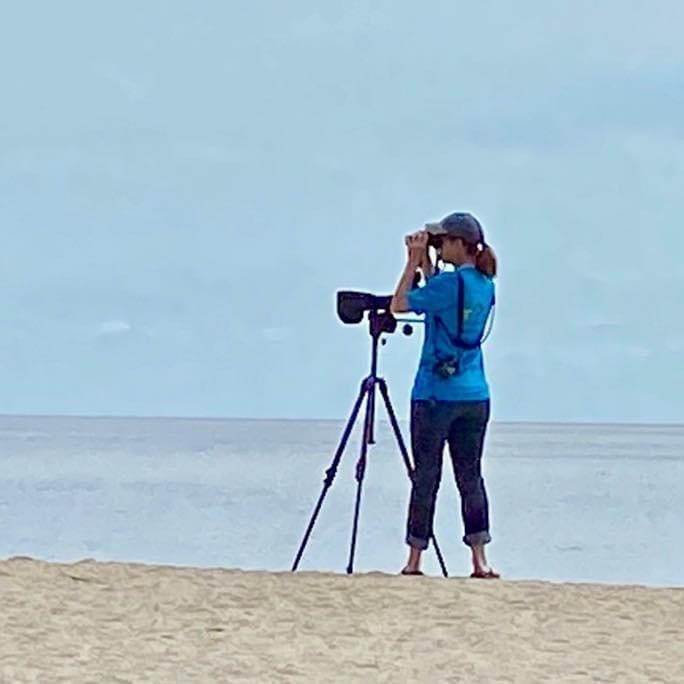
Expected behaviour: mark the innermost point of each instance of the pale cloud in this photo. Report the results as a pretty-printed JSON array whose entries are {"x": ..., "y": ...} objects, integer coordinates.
[{"x": 113, "y": 327}]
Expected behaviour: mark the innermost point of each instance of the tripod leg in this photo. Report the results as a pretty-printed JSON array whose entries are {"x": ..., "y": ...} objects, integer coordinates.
[
  {"x": 407, "y": 461},
  {"x": 361, "y": 469},
  {"x": 371, "y": 423},
  {"x": 332, "y": 469}
]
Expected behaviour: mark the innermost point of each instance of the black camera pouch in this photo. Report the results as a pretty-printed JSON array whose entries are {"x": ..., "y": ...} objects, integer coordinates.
[{"x": 447, "y": 368}]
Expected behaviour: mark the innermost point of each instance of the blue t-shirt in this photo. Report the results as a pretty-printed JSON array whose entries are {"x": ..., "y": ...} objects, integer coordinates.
[{"x": 439, "y": 297}]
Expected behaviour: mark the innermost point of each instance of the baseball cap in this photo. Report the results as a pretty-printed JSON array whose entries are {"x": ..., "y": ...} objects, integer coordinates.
[{"x": 459, "y": 224}]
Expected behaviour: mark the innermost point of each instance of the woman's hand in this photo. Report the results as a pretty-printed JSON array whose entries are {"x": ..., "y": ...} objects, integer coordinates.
[{"x": 416, "y": 244}]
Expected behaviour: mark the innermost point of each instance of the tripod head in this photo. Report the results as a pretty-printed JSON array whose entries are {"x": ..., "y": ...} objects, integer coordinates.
[{"x": 351, "y": 306}]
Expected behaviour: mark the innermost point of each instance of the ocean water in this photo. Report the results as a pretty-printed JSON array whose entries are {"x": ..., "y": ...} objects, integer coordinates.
[{"x": 573, "y": 503}]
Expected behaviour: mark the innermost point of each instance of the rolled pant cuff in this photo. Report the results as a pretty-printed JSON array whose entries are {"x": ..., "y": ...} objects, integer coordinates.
[
  {"x": 477, "y": 539},
  {"x": 417, "y": 542}
]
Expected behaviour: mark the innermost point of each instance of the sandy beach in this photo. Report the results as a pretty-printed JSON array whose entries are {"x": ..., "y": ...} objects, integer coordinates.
[{"x": 116, "y": 622}]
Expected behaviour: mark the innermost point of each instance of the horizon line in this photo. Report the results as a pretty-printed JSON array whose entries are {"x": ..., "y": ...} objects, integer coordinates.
[{"x": 520, "y": 421}]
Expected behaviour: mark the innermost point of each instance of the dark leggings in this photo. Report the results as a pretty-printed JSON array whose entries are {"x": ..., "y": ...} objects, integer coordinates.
[{"x": 462, "y": 425}]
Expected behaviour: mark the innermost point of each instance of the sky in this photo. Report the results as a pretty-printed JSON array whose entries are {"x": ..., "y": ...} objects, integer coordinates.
[{"x": 185, "y": 187}]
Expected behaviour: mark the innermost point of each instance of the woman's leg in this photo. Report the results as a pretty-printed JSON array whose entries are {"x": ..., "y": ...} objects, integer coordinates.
[
  {"x": 429, "y": 429},
  {"x": 466, "y": 443}
]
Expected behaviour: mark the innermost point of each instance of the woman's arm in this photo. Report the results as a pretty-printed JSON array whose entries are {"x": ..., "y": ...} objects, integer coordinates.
[
  {"x": 399, "y": 300},
  {"x": 416, "y": 256}
]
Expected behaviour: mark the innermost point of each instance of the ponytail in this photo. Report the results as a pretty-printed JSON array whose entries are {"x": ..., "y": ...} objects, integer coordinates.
[{"x": 486, "y": 261}]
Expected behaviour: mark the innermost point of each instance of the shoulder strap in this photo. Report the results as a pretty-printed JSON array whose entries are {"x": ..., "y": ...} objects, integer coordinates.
[{"x": 458, "y": 341}]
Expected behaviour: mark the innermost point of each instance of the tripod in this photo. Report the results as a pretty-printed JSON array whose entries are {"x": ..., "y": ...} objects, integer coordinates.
[{"x": 379, "y": 323}]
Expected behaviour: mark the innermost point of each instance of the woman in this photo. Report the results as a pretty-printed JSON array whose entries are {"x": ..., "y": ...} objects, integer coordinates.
[{"x": 450, "y": 401}]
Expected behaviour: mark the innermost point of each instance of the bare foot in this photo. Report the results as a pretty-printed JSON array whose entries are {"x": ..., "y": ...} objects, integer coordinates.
[
  {"x": 481, "y": 568},
  {"x": 412, "y": 566}
]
